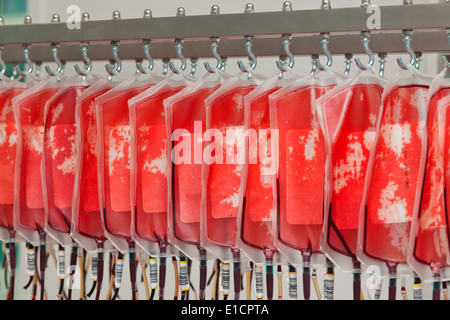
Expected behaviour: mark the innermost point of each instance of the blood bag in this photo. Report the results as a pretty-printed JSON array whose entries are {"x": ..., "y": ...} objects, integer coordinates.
[
  {"x": 255, "y": 218},
  {"x": 222, "y": 166},
  {"x": 428, "y": 245},
  {"x": 114, "y": 157},
  {"x": 86, "y": 219},
  {"x": 395, "y": 174},
  {"x": 348, "y": 115},
  {"x": 8, "y": 145},
  {"x": 149, "y": 164},
  {"x": 185, "y": 120},
  {"x": 299, "y": 187},
  {"x": 29, "y": 212},
  {"x": 59, "y": 157}
]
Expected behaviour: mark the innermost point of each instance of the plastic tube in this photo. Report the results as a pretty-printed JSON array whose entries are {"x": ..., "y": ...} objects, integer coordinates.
[
  {"x": 12, "y": 264},
  {"x": 237, "y": 274},
  {"x": 100, "y": 267},
  {"x": 203, "y": 274},
  {"x": 392, "y": 282}
]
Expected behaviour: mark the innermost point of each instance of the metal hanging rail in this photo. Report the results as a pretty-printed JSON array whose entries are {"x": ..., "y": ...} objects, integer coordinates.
[{"x": 429, "y": 22}]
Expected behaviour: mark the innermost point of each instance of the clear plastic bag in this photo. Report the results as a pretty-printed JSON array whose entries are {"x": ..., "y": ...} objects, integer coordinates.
[
  {"x": 86, "y": 228},
  {"x": 348, "y": 116},
  {"x": 149, "y": 165},
  {"x": 114, "y": 158},
  {"x": 8, "y": 145},
  {"x": 29, "y": 212},
  {"x": 428, "y": 252},
  {"x": 255, "y": 230},
  {"x": 299, "y": 185},
  {"x": 185, "y": 121},
  {"x": 394, "y": 176},
  {"x": 223, "y": 162},
  {"x": 59, "y": 157}
]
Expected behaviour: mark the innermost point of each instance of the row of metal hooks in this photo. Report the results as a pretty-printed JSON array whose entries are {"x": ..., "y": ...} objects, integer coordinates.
[{"x": 284, "y": 64}]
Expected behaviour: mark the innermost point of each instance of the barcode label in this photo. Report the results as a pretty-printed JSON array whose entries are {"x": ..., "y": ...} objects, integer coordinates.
[
  {"x": 328, "y": 283},
  {"x": 225, "y": 278},
  {"x": 61, "y": 272},
  {"x": 119, "y": 273},
  {"x": 418, "y": 291},
  {"x": 259, "y": 282},
  {"x": 94, "y": 268},
  {"x": 376, "y": 294},
  {"x": 184, "y": 277},
  {"x": 293, "y": 285},
  {"x": 153, "y": 273},
  {"x": 31, "y": 261}
]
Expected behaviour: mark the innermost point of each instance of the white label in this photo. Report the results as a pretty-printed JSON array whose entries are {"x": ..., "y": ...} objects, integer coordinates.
[
  {"x": 328, "y": 283},
  {"x": 259, "y": 282},
  {"x": 184, "y": 276},
  {"x": 61, "y": 270},
  {"x": 119, "y": 273},
  {"x": 94, "y": 268},
  {"x": 418, "y": 291},
  {"x": 153, "y": 274},
  {"x": 8, "y": 256},
  {"x": 31, "y": 261},
  {"x": 225, "y": 278},
  {"x": 293, "y": 286}
]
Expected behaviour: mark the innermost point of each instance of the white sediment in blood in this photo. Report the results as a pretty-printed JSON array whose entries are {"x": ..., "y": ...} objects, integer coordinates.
[
  {"x": 238, "y": 99},
  {"x": 397, "y": 236},
  {"x": 352, "y": 167},
  {"x": 392, "y": 208},
  {"x": 310, "y": 145},
  {"x": 68, "y": 165},
  {"x": 158, "y": 165},
  {"x": 117, "y": 146},
  {"x": 57, "y": 111},
  {"x": 34, "y": 138},
  {"x": 396, "y": 136}
]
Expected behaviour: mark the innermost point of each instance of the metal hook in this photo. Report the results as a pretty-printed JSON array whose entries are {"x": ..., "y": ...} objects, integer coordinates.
[
  {"x": 314, "y": 57},
  {"x": 193, "y": 66},
  {"x": 55, "y": 19},
  {"x": 214, "y": 45},
  {"x": 325, "y": 39},
  {"x": 26, "y": 52},
  {"x": 147, "y": 15},
  {"x": 114, "y": 69},
  {"x": 407, "y": 39},
  {"x": 84, "y": 49},
  {"x": 348, "y": 63},
  {"x": 382, "y": 63},
  {"x": 365, "y": 40},
  {"x": 2, "y": 63},
  {"x": 418, "y": 60},
  {"x": 179, "y": 47},
  {"x": 283, "y": 66},
  {"x": 148, "y": 57},
  {"x": 445, "y": 60},
  {"x": 165, "y": 66},
  {"x": 248, "y": 46}
]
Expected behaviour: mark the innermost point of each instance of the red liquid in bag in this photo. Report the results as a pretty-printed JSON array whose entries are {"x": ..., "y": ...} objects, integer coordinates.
[
  {"x": 89, "y": 219},
  {"x": 30, "y": 198},
  {"x": 350, "y": 157},
  {"x": 224, "y": 179},
  {"x": 431, "y": 245},
  {"x": 8, "y": 145},
  {"x": 151, "y": 179},
  {"x": 301, "y": 169},
  {"x": 257, "y": 216},
  {"x": 395, "y": 174},
  {"x": 116, "y": 154},
  {"x": 187, "y": 177},
  {"x": 60, "y": 157}
]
